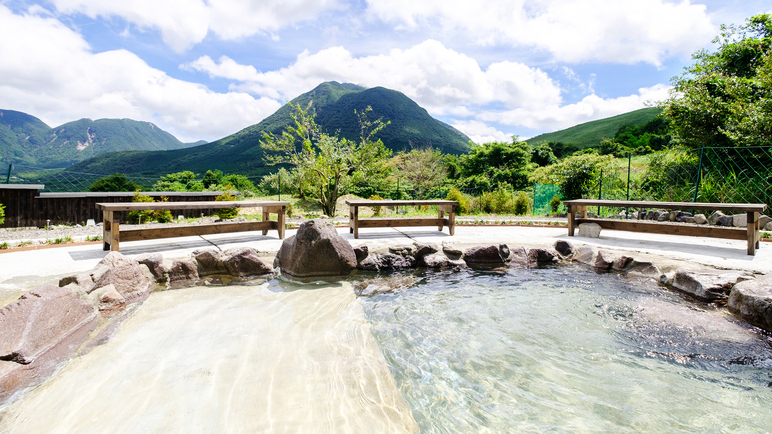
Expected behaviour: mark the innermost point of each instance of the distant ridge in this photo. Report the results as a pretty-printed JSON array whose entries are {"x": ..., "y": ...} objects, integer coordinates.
[
  {"x": 333, "y": 103},
  {"x": 591, "y": 133},
  {"x": 26, "y": 140}
]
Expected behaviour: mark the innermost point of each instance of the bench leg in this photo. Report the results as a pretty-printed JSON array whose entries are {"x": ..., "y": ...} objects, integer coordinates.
[
  {"x": 356, "y": 222},
  {"x": 350, "y": 219},
  {"x": 266, "y": 217},
  {"x": 441, "y": 214},
  {"x": 282, "y": 219},
  {"x": 753, "y": 232},
  {"x": 110, "y": 231},
  {"x": 452, "y": 220},
  {"x": 571, "y": 220}
]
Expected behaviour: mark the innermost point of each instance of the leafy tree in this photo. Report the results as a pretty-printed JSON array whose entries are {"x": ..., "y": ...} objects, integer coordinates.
[
  {"x": 725, "y": 98},
  {"x": 180, "y": 181},
  {"x": 2, "y": 213},
  {"x": 114, "y": 182},
  {"x": 424, "y": 168},
  {"x": 576, "y": 175},
  {"x": 329, "y": 164},
  {"x": 543, "y": 155},
  {"x": 494, "y": 163}
]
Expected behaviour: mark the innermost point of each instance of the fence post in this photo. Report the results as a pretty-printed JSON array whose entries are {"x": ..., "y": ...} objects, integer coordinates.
[
  {"x": 699, "y": 175},
  {"x": 8, "y": 178},
  {"x": 629, "y": 162},
  {"x": 279, "y": 175},
  {"x": 600, "y": 189}
]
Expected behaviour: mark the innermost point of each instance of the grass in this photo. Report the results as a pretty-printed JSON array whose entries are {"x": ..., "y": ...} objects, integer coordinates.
[
  {"x": 63, "y": 240},
  {"x": 94, "y": 238},
  {"x": 4, "y": 246}
]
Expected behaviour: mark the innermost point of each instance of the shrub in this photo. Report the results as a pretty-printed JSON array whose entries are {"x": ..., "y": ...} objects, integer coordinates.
[
  {"x": 376, "y": 209},
  {"x": 226, "y": 213},
  {"x": 163, "y": 215},
  {"x": 464, "y": 204},
  {"x": 555, "y": 203},
  {"x": 143, "y": 215},
  {"x": 2, "y": 214},
  {"x": 522, "y": 204},
  {"x": 576, "y": 175}
]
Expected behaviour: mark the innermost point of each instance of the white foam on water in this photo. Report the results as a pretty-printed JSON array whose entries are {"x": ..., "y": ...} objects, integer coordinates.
[{"x": 226, "y": 359}]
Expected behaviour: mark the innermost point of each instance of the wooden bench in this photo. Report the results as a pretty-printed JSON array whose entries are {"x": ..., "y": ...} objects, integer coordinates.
[
  {"x": 112, "y": 235},
  {"x": 751, "y": 233},
  {"x": 444, "y": 206}
]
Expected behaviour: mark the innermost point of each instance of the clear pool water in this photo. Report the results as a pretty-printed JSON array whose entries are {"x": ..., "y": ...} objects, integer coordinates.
[{"x": 568, "y": 350}]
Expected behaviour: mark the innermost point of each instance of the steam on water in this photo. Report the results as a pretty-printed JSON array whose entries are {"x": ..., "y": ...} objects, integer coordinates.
[{"x": 569, "y": 350}]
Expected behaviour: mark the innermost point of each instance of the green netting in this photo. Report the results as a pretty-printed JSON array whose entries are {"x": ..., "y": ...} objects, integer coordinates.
[{"x": 542, "y": 195}]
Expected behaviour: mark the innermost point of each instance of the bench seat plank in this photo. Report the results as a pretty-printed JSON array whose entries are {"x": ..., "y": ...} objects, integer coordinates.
[
  {"x": 443, "y": 207},
  {"x": 702, "y": 206},
  {"x": 404, "y": 222},
  {"x": 190, "y": 231}
]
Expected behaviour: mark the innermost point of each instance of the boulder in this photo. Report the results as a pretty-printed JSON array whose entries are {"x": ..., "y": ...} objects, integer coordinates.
[
  {"x": 387, "y": 261},
  {"x": 423, "y": 249},
  {"x": 564, "y": 248},
  {"x": 700, "y": 219},
  {"x": 83, "y": 280},
  {"x": 183, "y": 270},
  {"x": 316, "y": 251},
  {"x": 589, "y": 230},
  {"x": 109, "y": 300},
  {"x": 751, "y": 300},
  {"x": 126, "y": 274},
  {"x": 740, "y": 220},
  {"x": 663, "y": 216},
  {"x": 439, "y": 260},
  {"x": 708, "y": 285},
  {"x": 764, "y": 220},
  {"x": 652, "y": 215},
  {"x": 490, "y": 256},
  {"x": 622, "y": 263},
  {"x": 155, "y": 263},
  {"x": 768, "y": 226},
  {"x": 519, "y": 258},
  {"x": 604, "y": 260},
  {"x": 713, "y": 219},
  {"x": 542, "y": 256},
  {"x": 361, "y": 253},
  {"x": 244, "y": 261},
  {"x": 683, "y": 216},
  {"x": 584, "y": 255},
  {"x": 40, "y": 319},
  {"x": 451, "y": 251},
  {"x": 209, "y": 261},
  {"x": 672, "y": 215},
  {"x": 643, "y": 269},
  {"x": 726, "y": 220},
  {"x": 690, "y": 220}
]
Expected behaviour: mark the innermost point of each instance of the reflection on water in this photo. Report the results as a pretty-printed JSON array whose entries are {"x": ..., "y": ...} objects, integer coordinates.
[
  {"x": 568, "y": 350},
  {"x": 226, "y": 359}
]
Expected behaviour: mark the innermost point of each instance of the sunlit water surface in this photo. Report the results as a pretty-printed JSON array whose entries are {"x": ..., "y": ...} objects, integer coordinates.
[{"x": 568, "y": 350}]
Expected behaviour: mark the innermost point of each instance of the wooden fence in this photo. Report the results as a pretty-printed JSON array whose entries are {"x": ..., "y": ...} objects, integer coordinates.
[{"x": 25, "y": 206}]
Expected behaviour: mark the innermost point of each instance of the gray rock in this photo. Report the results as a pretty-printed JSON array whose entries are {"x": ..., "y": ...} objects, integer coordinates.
[
  {"x": 490, "y": 256},
  {"x": 622, "y": 263},
  {"x": 109, "y": 300},
  {"x": 154, "y": 263},
  {"x": 768, "y": 226},
  {"x": 387, "y": 261},
  {"x": 652, "y": 215},
  {"x": 564, "y": 248},
  {"x": 126, "y": 274},
  {"x": 713, "y": 219},
  {"x": 589, "y": 230},
  {"x": 726, "y": 220},
  {"x": 700, "y": 219},
  {"x": 39, "y": 320},
  {"x": 690, "y": 220},
  {"x": 708, "y": 285},
  {"x": 604, "y": 260},
  {"x": 751, "y": 300},
  {"x": 518, "y": 257},
  {"x": 683, "y": 216},
  {"x": 542, "y": 256},
  {"x": 643, "y": 269},
  {"x": 83, "y": 280},
  {"x": 183, "y": 270},
  {"x": 584, "y": 255},
  {"x": 740, "y": 220},
  {"x": 317, "y": 251},
  {"x": 672, "y": 215},
  {"x": 209, "y": 261},
  {"x": 361, "y": 252},
  {"x": 244, "y": 261},
  {"x": 402, "y": 250},
  {"x": 764, "y": 220},
  {"x": 439, "y": 260},
  {"x": 663, "y": 217},
  {"x": 422, "y": 249},
  {"x": 451, "y": 250}
]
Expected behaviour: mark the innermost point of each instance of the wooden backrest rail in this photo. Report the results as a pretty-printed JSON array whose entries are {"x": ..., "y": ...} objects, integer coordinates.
[{"x": 734, "y": 207}]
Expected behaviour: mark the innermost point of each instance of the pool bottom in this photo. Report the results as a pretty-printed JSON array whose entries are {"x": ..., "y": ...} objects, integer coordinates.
[
  {"x": 566, "y": 350},
  {"x": 226, "y": 359}
]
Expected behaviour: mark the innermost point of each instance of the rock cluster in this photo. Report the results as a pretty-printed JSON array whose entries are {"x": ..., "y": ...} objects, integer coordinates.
[
  {"x": 46, "y": 326},
  {"x": 717, "y": 218}
]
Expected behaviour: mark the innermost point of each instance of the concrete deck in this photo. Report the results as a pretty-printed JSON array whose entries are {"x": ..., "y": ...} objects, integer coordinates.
[{"x": 27, "y": 269}]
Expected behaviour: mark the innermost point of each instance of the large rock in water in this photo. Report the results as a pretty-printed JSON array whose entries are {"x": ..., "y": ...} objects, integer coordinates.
[
  {"x": 708, "y": 285},
  {"x": 752, "y": 301},
  {"x": 126, "y": 274},
  {"x": 491, "y": 256},
  {"x": 316, "y": 252}
]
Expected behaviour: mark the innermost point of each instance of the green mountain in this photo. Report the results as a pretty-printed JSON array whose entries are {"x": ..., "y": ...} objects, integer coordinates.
[
  {"x": 590, "y": 133},
  {"x": 26, "y": 140},
  {"x": 333, "y": 103}
]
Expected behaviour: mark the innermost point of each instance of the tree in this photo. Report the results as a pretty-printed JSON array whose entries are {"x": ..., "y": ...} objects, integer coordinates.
[
  {"x": 423, "y": 168},
  {"x": 179, "y": 181},
  {"x": 576, "y": 175},
  {"x": 114, "y": 182},
  {"x": 329, "y": 164},
  {"x": 494, "y": 163},
  {"x": 725, "y": 98}
]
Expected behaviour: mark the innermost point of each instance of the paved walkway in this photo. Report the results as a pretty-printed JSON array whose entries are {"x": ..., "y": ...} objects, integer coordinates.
[{"x": 27, "y": 269}]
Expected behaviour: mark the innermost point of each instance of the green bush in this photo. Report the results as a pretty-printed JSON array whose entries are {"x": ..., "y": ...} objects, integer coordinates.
[
  {"x": 555, "y": 203},
  {"x": 464, "y": 204},
  {"x": 522, "y": 204},
  {"x": 376, "y": 209},
  {"x": 576, "y": 175},
  {"x": 2, "y": 214},
  {"x": 226, "y": 213},
  {"x": 135, "y": 217}
]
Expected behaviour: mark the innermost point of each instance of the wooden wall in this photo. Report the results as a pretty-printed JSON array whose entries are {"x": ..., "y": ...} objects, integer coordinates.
[{"x": 25, "y": 207}]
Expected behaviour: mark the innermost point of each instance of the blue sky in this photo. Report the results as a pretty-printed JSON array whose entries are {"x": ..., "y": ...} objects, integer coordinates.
[{"x": 204, "y": 69}]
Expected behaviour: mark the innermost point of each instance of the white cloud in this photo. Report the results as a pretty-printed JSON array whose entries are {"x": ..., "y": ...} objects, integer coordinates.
[
  {"x": 591, "y": 107},
  {"x": 628, "y": 31},
  {"x": 437, "y": 78},
  {"x": 50, "y": 72},
  {"x": 183, "y": 23},
  {"x": 480, "y": 132}
]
